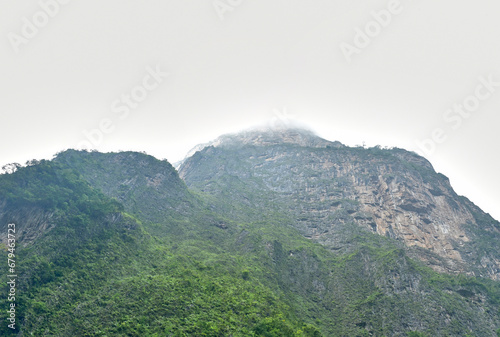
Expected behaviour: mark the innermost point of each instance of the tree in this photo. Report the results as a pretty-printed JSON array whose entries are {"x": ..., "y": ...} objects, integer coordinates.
[{"x": 11, "y": 168}]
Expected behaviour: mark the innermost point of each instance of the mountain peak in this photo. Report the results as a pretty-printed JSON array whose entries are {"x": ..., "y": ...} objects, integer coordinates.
[
  {"x": 267, "y": 135},
  {"x": 274, "y": 136}
]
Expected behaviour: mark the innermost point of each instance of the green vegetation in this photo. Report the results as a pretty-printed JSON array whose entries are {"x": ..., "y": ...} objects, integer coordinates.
[
  {"x": 100, "y": 273},
  {"x": 124, "y": 248}
]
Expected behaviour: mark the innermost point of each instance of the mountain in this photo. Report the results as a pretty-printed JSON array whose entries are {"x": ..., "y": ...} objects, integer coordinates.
[
  {"x": 261, "y": 233},
  {"x": 326, "y": 186}
]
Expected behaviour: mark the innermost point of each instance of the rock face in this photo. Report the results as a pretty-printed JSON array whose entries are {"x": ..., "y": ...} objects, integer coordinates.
[
  {"x": 326, "y": 187},
  {"x": 31, "y": 223}
]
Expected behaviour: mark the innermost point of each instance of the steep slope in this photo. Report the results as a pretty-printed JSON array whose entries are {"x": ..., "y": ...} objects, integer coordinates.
[
  {"x": 117, "y": 245},
  {"x": 87, "y": 268},
  {"x": 325, "y": 186}
]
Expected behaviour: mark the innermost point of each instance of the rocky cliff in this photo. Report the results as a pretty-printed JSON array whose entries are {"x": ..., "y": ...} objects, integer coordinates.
[{"x": 324, "y": 186}]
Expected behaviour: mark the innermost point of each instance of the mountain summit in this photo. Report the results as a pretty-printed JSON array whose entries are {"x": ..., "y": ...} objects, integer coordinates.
[
  {"x": 269, "y": 135},
  {"x": 274, "y": 136}
]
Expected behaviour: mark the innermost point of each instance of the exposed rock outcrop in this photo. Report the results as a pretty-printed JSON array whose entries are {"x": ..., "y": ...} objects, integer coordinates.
[{"x": 325, "y": 185}]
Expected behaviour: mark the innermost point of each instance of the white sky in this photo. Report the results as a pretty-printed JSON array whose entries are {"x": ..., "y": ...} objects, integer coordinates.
[{"x": 263, "y": 57}]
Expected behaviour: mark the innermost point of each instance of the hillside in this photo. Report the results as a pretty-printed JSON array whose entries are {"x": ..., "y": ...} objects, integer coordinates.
[{"x": 261, "y": 233}]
